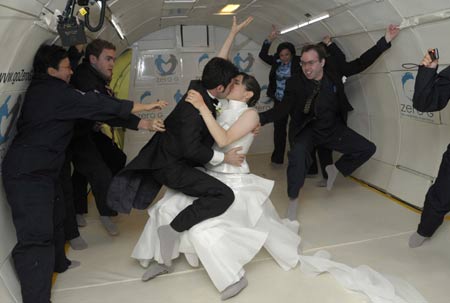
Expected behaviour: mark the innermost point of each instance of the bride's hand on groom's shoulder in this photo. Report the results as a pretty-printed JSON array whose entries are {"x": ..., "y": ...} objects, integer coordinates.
[
  {"x": 195, "y": 98},
  {"x": 157, "y": 105}
]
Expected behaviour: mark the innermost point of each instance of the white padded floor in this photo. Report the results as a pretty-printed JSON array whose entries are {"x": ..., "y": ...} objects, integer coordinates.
[{"x": 355, "y": 224}]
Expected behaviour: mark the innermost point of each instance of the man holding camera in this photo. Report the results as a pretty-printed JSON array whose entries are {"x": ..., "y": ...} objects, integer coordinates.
[{"x": 432, "y": 93}]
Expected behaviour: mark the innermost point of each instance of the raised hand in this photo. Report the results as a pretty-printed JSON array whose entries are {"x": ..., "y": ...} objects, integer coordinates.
[
  {"x": 391, "y": 32},
  {"x": 236, "y": 28},
  {"x": 327, "y": 40},
  {"x": 273, "y": 34},
  {"x": 428, "y": 62},
  {"x": 195, "y": 98}
]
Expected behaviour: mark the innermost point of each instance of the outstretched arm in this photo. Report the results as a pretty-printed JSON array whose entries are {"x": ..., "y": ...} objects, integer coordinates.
[
  {"x": 264, "y": 52},
  {"x": 431, "y": 90},
  {"x": 235, "y": 29},
  {"x": 367, "y": 58},
  {"x": 244, "y": 125}
]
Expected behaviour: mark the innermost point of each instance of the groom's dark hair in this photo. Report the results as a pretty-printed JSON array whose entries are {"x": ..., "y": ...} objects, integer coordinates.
[{"x": 218, "y": 71}]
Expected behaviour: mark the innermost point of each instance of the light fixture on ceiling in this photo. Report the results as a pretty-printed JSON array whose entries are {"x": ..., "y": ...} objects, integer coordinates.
[
  {"x": 172, "y": 17},
  {"x": 118, "y": 29},
  {"x": 310, "y": 21},
  {"x": 180, "y": 1},
  {"x": 228, "y": 9}
]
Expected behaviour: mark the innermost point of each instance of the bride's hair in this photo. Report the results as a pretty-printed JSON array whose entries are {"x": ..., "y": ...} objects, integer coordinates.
[{"x": 251, "y": 85}]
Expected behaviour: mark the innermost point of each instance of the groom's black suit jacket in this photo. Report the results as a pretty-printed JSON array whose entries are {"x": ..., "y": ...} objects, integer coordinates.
[{"x": 186, "y": 139}]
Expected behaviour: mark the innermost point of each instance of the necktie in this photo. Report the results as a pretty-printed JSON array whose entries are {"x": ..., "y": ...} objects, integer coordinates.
[{"x": 312, "y": 97}]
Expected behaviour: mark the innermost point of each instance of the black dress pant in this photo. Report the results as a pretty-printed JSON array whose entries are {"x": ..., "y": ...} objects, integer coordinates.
[
  {"x": 355, "y": 149},
  {"x": 112, "y": 159},
  {"x": 437, "y": 200},
  {"x": 325, "y": 158},
  {"x": 279, "y": 136},
  {"x": 38, "y": 214},
  {"x": 70, "y": 224},
  {"x": 214, "y": 197}
]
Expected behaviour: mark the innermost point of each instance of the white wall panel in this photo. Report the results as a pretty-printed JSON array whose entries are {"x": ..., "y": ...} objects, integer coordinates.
[
  {"x": 385, "y": 134},
  {"x": 356, "y": 95},
  {"x": 380, "y": 95},
  {"x": 5, "y": 296},
  {"x": 28, "y": 6},
  {"x": 360, "y": 123},
  {"x": 343, "y": 24},
  {"x": 418, "y": 147},
  {"x": 434, "y": 35},
  {"x": 375, "y": 173},
  {"x": 408, "y": 186}
]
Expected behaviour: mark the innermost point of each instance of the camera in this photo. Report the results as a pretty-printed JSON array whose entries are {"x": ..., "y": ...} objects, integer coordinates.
[
  {"x": 83, "y": 2},
  {"x": 71, "y": 32},
  {"x": 434, "y": 54}
]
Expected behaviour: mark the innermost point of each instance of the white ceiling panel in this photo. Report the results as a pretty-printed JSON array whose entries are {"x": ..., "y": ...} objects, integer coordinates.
[
  {"x": 343, "y": 24},
  {"x": 409, "y": 8},
  {"x": 434, "y": 35},
  {"x": 369, "y": 14}
]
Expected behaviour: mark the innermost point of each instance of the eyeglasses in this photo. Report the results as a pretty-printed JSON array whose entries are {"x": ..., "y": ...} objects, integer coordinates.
[{"x": 310, "y": 63}]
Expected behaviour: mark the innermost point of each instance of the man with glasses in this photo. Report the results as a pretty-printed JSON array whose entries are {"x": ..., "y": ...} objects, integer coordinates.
[{"x": 318, "y": 108}]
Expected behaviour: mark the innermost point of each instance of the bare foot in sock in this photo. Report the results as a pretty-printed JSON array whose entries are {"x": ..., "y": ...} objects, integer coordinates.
[
  {"x": 291, "y": 213},
  {"x": 73, "y": 264},
  {"x": 168, "y": 237},
  {"x": 416, "y": 240},
  {"x": 332, "y": 172},
  {"x": 155, "y": 270},
  {"x": 109, "y": 225},
  {"x": 233, "y": 289},
  {"x": 78, "y": 243}
]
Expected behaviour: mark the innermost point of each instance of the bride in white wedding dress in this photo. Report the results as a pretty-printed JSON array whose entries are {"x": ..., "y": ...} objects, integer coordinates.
[{"x": 226, "y": 243}]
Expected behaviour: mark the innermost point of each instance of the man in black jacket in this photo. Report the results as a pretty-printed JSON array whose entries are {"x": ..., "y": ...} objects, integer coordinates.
[
  {"x": 33, "y": 163},
  {"x": 170, "y": 159},
  {"x": 432, "y": 93},
  {"x": 318, "y": 108},
  {"x": 95, "y": 156}
]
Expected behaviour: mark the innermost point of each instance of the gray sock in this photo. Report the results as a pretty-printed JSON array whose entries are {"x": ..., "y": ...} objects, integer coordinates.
[
  {"x": 167, "y": 239},
  {"x": 109, "y": 225},
  {"x": 78, "y": 243},
  {"x": 81, "y": 221},
  {"x": 234, "y": 289},
  {"x": 155, "y": 270},
  {"x": 332, "y": 172},
  {"x": 291, "y": 213},
  {"x": 322, "y": 183},
  {"x": 416, "y": 240},
  {"x": 73, "y": 264}
]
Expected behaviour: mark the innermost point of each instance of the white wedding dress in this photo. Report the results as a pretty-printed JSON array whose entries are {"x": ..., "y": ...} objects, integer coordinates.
[{"x": 224, "y": 244}]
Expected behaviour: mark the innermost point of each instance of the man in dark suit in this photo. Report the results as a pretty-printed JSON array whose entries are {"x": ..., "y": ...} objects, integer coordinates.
[{"x": 170, "y": 159}]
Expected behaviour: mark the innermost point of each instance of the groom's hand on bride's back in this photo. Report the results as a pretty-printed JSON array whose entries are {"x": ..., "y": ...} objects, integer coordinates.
[
  {"x": 155, "y": 125},
  {"x": 233, "y": 157}
]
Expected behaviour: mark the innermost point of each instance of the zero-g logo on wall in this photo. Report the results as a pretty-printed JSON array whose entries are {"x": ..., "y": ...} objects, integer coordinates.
[
  {"x": 144, "y": 95},
  {"x": 9, "y": 111},
  {"x": 406, "y": 105},
  {"x": 166, "y": 67},
  {"x": 244, "y": 64}
]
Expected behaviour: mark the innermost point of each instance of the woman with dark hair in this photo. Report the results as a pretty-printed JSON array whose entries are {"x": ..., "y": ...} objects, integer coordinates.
[
  {"x": 284, "y": 64},
  {"x": 226, "y": 243}
]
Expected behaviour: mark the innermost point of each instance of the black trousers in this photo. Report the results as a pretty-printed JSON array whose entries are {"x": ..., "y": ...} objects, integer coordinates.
[
  {"x": 279, "y": 136},
  {"x": 214, "y": 197},
  {"x": 437, "y": 200},
  {"x": 110, "y": 159},
  {"x": 70, "y": 224},
  {"x": 355, "y": 149},
  {"x": 325, "y": 158},
  {"x": 38, "y": 215}
]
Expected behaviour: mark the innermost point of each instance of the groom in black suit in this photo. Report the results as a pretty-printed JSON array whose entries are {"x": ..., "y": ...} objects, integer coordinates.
[{"x": 170, "y": 158}]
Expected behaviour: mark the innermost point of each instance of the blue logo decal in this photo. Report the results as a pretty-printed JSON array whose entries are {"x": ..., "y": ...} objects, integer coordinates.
[
  {"x": 408, "y": 85},
  {"x": 7, "y": 118},
  {"x": 166, "y": 68},
  {"x": 145, "y": 95},
  {"x": 205, "y": 56},
  {"x": 238, "y": 60}
]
